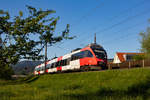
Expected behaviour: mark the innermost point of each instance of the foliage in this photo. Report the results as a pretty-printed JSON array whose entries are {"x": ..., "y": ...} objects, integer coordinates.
[
  {"x": 103, "y": 85},
  {"x": 16, "y": 35},
  {"x": 6, "y": 72},
  {"x": 145, "y": 41},
  {"x": 139, "y": 57}
]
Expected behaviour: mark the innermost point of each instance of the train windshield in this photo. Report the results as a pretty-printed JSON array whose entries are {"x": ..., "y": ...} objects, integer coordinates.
[{"x": 100, "y": 53}]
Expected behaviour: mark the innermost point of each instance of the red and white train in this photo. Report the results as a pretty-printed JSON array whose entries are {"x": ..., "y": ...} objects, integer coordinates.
[{"x": 91, "y": 57}]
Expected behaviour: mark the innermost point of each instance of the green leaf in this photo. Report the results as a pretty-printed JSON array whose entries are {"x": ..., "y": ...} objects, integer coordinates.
[{"x": 20, "y": 13}]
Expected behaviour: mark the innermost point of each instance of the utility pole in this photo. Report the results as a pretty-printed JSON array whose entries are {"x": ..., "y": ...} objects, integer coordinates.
[
  {"x": 95, "y": 39},
  {"x": 45, "y": 55},
  {"x": 1, "y": 44}
]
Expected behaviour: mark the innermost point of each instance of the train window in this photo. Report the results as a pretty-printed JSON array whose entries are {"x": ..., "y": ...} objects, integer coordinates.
[
  {"x": 39, "y": 69},
  {"x": 55, "y": 64},
  {"x": 42, "y": 68},
  {"x": 78, "y": 55},
  {"x": 88, "y": 54},
  {"x": 48, "y": 66},
  {"x": 72, "y": 57},
  {"x": 36, "y": 69},
  {"x": 81, "y": 54},
  {"x": 100, "y": 53},
  {"x": 68, "y": 61},
  {"x": 60, "y": 63},
  {"x": 63, "y": 62},
  {"x": 52, "y": 65},
  {"x": 75, "y": 56}
]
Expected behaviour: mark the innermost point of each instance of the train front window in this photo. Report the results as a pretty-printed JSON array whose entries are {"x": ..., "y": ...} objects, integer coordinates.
[{"x": 100, "y": 54}]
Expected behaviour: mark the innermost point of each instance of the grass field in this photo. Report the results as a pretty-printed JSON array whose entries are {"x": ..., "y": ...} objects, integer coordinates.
[{"x": 128, "y": 84}]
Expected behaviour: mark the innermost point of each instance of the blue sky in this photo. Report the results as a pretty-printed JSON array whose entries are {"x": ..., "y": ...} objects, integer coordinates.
[{"x": 117, "y": 23}]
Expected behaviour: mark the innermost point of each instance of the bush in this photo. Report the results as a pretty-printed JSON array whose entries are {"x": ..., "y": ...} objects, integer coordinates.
[{"x": 5, "y": 72}]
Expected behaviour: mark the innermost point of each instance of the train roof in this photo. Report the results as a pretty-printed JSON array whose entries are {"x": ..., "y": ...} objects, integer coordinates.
[
  {"x": 94, "y": 45},
  {"x": 75, "y": 50}
]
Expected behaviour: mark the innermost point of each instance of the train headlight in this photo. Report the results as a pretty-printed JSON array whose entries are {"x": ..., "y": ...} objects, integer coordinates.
[{"x": 100, "y": 63}]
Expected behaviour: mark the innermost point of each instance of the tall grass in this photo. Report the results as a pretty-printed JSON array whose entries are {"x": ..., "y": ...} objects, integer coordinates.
[{"x": 129, "y": 84}]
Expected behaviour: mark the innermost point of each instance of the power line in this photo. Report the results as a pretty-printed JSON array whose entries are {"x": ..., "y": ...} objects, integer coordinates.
[
  {"x": 126, "y": 20},
  {"x": 128, "y": 28},
  {"x": 122, "y": 22},
  {"x": 114, "y": 17},
  {"x": 88, "y": 14},
  {"x": 127, "y": 10},
  {"x": 122, "y": 37}
]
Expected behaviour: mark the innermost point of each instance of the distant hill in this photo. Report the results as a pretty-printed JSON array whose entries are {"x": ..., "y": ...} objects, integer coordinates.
[{"x": 25, "y": 67}]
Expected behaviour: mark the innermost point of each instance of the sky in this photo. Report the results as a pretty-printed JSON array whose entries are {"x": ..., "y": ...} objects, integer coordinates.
[{"x": 117, "y": 23}]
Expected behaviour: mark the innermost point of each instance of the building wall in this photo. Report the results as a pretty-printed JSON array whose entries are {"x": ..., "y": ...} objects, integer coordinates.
[{"x": 116, "y": 59}]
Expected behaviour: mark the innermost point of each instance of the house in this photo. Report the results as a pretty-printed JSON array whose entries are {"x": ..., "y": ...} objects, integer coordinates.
[{"x": 122, "y": 57}]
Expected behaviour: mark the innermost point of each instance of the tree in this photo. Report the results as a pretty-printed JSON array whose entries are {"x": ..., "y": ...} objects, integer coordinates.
[
  {"x": 145, "y": 42},
  {"x": 139, "y": 57},
  {"x": 16, "y": 41}
]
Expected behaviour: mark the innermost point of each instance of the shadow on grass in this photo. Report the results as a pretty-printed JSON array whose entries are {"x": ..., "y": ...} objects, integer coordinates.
[
  {"x": 32, "y": 79},
  {"x": 141, "y": 90},
  {"x": 73, "y": 87},
  {"x": 28, "y": 79}
]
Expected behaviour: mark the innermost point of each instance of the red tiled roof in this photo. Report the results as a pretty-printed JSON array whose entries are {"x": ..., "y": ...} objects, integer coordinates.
[{"x": 121, "y": 58}]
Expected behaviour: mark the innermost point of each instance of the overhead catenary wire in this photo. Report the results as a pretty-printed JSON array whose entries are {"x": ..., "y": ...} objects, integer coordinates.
[
  {"x": 86, "y": 15},
  {"x": 126, "y": 29},
  {"x": 125, "y": 11},
  {"x": 112, "y": 26},
  {"x": 116, "y": 16},
  {"x": 121, "y": 22}
]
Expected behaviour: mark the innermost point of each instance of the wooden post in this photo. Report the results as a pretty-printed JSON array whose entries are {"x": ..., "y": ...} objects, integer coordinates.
[
  {"x": 109, "y": 66},
  {"x": 143, "y": 63},
  {"x": 118, "y": 64},
  {"x": 129, "y": 64}
]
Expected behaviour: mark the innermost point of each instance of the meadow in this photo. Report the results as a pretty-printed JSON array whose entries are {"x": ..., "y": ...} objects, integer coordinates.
[{"x": 125, "y": 84}]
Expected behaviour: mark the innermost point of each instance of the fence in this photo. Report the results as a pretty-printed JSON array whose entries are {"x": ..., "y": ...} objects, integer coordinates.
[{"x": 130, "y": 64}]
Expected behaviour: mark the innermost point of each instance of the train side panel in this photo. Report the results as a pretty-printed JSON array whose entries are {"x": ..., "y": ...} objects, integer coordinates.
[{"x": 75, "y": 64}]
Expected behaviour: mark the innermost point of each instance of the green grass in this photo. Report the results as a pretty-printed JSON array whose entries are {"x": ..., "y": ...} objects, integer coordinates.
[{"x": 128, "y": 84}]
